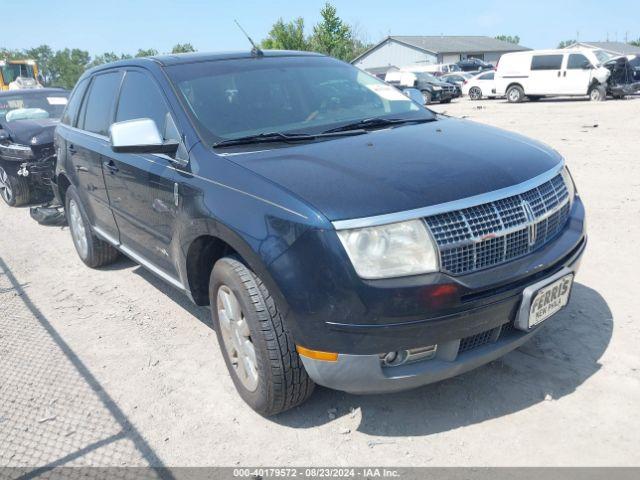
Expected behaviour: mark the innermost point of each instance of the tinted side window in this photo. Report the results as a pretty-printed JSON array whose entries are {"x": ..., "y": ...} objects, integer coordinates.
[
  {"x": 487, "y": 76},
  {"x": 140, "y": 97},
  {"x": 577, "y": 61},
  {"x": 99, "y": 104},
  {"x": 71, "y": 112},
  {"x": 546, "y": 62}
]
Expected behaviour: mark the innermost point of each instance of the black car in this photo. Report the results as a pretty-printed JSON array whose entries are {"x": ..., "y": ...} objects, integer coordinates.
[
  {"x": 341, "y": 233},
  {"x": 474, "y": 65},
  {"x": 27, "y": 156},
  {"x": 625, "y": 76}
]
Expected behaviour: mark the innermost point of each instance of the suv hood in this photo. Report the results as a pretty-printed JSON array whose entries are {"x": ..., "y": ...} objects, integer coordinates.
[
  {"x": 22, "y": 131},
  {"x": 401, "y": 168}
]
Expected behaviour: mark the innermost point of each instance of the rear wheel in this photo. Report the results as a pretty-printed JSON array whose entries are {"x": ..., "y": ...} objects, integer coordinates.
[
  {"x": 14, "y": 190},
  {"x": 515, "y": 94},
  {"x": 597, "y": 94},
  {"x": 427, "y": 97},
  {"x": 93, "y": 251},
  {"x": 256, "y": 345},
  {"x": 475, "y": 93}
]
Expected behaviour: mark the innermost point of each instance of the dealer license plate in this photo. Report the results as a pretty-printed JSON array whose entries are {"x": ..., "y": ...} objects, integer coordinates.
[{"x": 550, "y": 299}]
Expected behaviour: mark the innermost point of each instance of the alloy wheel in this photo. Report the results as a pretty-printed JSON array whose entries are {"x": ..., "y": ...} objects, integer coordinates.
[
  {"x": 475, "y": 93},
  {"x": 237, "y": 338},
  {"x": 5, "y": 186},
  {"x": 514, "y": 95},
  {"x": 78, "y": 231}
]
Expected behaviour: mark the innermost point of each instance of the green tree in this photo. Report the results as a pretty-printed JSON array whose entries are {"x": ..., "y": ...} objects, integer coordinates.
[
  {"x": 635, "y": 43},
  {"x": 286, "y": 36},
  {"x": 182, "y": 48},
  {"x": 332, "y": 36},
  {"x": 151, "y": 52},
  {"x": 508, "y": 38},
  {"x": 566, "y": 43},
  {"x": 66, "y": 66},
  {"x": 42, "y": 55}
]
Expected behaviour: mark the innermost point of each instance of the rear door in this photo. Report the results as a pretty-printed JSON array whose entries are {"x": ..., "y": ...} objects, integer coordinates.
[
  {"x": 545, "y": 77},
  {"x": 576, "y": 77},
  {"x": 144, "y": 188},
  {"x": 87, "y": 143}
]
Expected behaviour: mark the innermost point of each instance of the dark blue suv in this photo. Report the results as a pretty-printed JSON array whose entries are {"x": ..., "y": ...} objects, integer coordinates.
[{"x": 341, "y": 233}]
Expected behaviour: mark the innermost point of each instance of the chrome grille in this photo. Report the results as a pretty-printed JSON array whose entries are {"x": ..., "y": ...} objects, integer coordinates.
[{"x": 493, "y": 233}]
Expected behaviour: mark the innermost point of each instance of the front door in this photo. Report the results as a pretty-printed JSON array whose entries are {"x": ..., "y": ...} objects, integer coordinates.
[
  {"x": 142, "y": 187},
  {"x": 577, "y": 75}
]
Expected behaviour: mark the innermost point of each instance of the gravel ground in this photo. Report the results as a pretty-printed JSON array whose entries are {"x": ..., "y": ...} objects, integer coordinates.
[{"x": 112, "y": 367}]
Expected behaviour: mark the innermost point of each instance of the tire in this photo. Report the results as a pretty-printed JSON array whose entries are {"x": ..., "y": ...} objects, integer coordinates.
[
  {"x": 475, "y": 93},
  {"x": 597, "y": 93},
  {"x": 427, "y": 97},
  {"x": 93, "y": 251},
  {"x": 14, "y": 190},
  {"x": 515, "y": 94},
  {"x": 255, "y": 330}
]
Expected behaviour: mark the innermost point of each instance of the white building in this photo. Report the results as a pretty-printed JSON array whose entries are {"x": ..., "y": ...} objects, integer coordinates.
[
  {"x": 614, "y": 48},
  {"x": 404, "y": 51}
]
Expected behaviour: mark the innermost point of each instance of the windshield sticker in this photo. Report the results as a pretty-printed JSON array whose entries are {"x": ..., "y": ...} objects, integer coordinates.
[
  {"x": 57, "y": 100},
  {"x": 388, "y": 93}
]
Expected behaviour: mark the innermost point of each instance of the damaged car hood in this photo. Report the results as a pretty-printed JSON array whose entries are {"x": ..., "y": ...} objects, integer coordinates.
[
  {"x": 403, "y": 168},
  {"x": 24, "y": 131}
]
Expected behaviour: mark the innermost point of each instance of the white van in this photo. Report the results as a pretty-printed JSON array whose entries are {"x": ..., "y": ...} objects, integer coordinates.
[{"x": 540, "y": 73}]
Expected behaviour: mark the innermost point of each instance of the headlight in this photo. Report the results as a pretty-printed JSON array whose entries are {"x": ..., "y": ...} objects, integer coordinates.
[
  {"x": 16, "y": 151},
  {"x": 437, "y": 89},
  {"x": 568, "y": 181},
  {"x": 393, "y": 250}
]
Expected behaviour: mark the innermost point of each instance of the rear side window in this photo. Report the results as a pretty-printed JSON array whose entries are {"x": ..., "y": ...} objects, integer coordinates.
[
  {"x": 71, "y": 112},
  {"x": 487, "y": 76},
  {"x": 140, "y": 97},
  {"x": 97, "y": 109},
  {"x": 577, "y": 61},
  {"x": 546, "y": 62}
]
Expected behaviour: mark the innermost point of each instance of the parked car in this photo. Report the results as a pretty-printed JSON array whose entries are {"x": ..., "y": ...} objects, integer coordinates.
[
  {"x": 27, "y": 157},
  {"x": 433, "y": 90},
  {"x": 458, "y": 79},
  {"x": 624, "y": 78},
  {"x": 437, "y": 69},
  {"x": 480, "y": 86},
  {"x": 540, "y": 73},
  {"x": 473, "y": 65},
  {"x": 341, "y": 233}
]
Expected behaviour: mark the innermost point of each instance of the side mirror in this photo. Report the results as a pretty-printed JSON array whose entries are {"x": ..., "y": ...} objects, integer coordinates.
[
  {"x": 139, "y": 136},
  {"x": 587, "y": 65}
]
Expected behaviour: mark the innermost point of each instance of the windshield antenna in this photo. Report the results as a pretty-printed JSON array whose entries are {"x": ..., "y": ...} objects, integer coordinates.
[{"x": 255, "y": 51}]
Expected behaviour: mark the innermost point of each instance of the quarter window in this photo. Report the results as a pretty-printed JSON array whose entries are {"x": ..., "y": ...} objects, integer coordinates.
[
  {"x": 546, "y": 62},
  {"x": 96, "y": 112},
  {"x": 487, "y": 76},
  {"x": 70, "y": 113},
  {"x": 577, "y": 61},
  {"x": 140, "y": 97}
]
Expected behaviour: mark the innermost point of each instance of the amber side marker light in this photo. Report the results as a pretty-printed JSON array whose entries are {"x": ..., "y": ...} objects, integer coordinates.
[{"x": 317, "y": 354}]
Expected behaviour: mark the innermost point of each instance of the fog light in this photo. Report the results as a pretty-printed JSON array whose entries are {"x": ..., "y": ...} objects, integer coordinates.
[{"x": 402, "y": 357}]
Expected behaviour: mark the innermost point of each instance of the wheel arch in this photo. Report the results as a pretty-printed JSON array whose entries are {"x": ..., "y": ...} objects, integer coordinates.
[
  {"x": 62, "y": 184},
  {"x": 514, "y": 84}
]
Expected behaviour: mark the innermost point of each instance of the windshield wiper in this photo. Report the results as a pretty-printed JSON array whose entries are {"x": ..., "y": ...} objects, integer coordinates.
[
  {"x": 378, "y": 122},
  {"x": 282, "y": 137}
]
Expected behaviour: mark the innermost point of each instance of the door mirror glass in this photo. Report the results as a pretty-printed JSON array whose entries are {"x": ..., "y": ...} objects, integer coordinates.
[
  {"x": 587, "y": 65},
  {"x": 139, "y": 136}
]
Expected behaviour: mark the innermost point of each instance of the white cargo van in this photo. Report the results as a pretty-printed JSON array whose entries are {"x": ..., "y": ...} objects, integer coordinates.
[{"x": 540, "y": 73}]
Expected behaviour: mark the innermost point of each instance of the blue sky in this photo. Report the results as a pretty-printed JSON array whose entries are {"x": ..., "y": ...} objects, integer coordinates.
[{"x": 125, "y": 26}]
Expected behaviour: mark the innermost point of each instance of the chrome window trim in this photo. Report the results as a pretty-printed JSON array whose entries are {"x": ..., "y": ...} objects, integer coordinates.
[{"x": 449, "y": 206}]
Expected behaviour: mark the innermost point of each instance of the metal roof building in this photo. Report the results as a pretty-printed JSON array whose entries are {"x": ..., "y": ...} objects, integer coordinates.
[
  {"x": 614, "y": 48},
  {"x": 409, "y": 50}
]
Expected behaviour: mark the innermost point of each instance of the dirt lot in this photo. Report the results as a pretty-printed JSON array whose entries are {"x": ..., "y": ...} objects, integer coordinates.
[{"x": 111, "y": 367}]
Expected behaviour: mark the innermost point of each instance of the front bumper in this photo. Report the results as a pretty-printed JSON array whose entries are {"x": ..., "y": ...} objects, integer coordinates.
[{"x": 366, "y": 374}]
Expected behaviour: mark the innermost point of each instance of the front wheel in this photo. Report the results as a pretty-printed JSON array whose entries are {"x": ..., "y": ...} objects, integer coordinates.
[
  {"x": 14, "y": 190},
  {"x": 475, "y": 93},
  {"x": 515, "y": 94},
  {"x": 427, "y": 97},
  {"x": 598, "y": 94},
  {"x": 256, "y": 345}
]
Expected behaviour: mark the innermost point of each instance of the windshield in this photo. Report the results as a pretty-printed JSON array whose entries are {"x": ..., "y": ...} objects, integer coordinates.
[
  {"x": 230, "y": 99},
  {"x": 20, "y": 106},
  {"x": 602, "y": 56},
  {"x": 12, "y": 71},
  {"x": 426, "y": 77}
]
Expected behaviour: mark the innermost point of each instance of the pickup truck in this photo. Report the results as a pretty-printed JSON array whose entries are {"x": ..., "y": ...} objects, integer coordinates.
[
  {"x": 433, "y": 89},
  {"x": 340, "y": 233}
]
